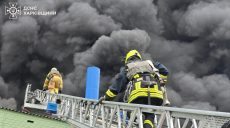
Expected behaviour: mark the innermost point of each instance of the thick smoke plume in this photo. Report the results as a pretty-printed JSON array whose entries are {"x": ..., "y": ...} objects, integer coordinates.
[{"x": 190, "y": 37}]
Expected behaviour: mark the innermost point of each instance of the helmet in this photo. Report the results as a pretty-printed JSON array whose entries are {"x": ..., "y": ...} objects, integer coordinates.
[
  {"x": 53, "y": 69},
  {"x": 131, "y": 54}
]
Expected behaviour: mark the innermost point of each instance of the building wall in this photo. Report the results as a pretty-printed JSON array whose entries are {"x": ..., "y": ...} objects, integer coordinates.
[{"x": 11, "y": 119}]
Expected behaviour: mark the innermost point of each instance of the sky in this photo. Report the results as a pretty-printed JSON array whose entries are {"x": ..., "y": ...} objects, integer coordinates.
[{"x": 190, "y": 37}]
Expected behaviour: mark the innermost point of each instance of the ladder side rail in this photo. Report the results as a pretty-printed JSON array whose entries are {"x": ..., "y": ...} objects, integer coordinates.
[
  {"x": 64, "y": 96},
  {"x": 172, "y": 109},
  {"x": 199, "y": 112},
  {"x": 198, "y": 118},
  {"x": 187, "y": 112},
  {"x": 190, "y": 118}
]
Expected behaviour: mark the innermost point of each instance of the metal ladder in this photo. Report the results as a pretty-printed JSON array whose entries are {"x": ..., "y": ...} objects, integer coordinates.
[{"x": 84, "y": 113}]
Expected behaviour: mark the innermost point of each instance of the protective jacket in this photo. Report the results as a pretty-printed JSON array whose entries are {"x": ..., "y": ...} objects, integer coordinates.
[
  {"x": 139, "y": 75},
  {"x": 53, "y": 82}
]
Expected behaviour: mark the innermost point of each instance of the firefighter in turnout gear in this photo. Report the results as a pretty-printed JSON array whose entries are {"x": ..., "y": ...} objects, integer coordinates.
[
  {"x": 53, "y": 82},
  {"x": 142, "y": 81}
]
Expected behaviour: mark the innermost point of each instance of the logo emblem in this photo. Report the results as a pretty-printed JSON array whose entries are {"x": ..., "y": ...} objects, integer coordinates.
[{"x": 13, "y": 10}]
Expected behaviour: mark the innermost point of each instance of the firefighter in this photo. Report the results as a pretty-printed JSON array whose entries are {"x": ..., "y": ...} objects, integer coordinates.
[
  {"x": 53, "y": 82},
  {"x": 142, "y": 78}
]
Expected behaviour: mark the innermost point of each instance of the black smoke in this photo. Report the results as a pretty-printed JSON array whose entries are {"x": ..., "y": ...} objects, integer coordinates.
[{"x": 190, "y": 37}]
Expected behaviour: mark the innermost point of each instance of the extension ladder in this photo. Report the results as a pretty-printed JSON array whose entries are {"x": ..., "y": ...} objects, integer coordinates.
[{"x": 86, "y": 113}]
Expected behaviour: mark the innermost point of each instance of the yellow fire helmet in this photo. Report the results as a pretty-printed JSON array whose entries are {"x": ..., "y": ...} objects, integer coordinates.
[{"x": 132, "y": 53}]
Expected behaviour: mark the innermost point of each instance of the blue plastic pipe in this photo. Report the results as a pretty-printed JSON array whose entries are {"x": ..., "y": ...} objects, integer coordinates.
[{"x": 92, "y": 83}]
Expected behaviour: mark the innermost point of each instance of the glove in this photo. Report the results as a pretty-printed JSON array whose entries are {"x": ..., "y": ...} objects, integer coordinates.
[
  {"x": 100, "y": 100},
  {"x": 162, "y": 83}
]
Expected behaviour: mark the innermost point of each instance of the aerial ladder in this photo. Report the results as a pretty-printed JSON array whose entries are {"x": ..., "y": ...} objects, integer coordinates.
[{"x": 86, "y": 113}]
